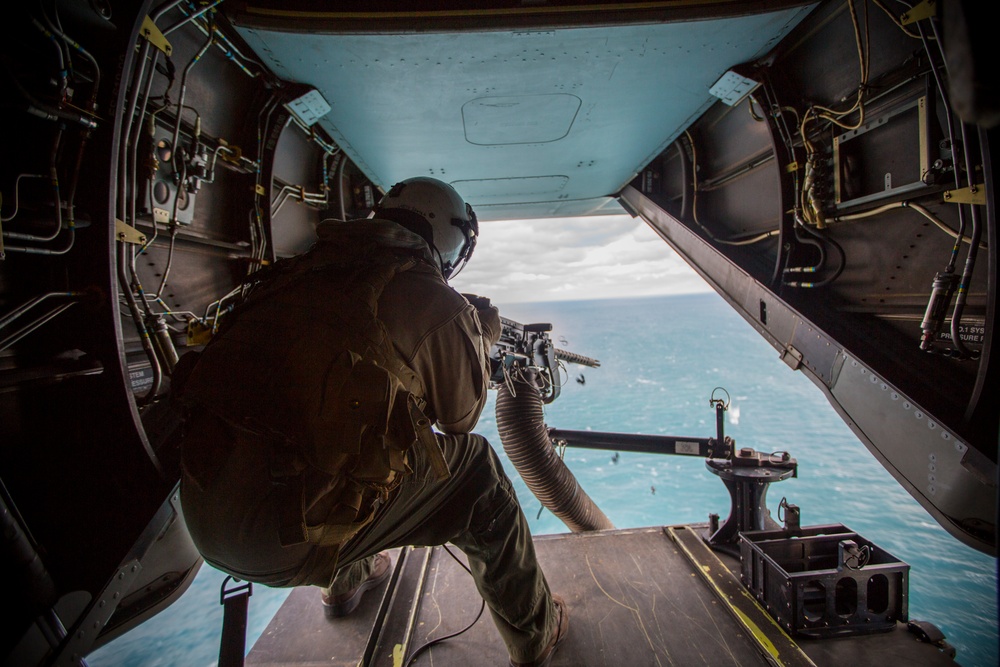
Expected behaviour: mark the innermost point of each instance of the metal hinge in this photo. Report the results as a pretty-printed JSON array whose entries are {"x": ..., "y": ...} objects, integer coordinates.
[{"x": 792, "y": 357}]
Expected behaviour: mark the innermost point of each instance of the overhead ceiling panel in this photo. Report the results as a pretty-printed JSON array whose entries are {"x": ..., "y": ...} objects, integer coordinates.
[{"x": 524, "y": 123}]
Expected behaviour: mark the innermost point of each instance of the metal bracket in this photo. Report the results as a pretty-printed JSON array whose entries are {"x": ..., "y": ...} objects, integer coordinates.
[
  {"x": 128, "y": 234},
  {"x": 974, "y": 194},
  {"x": 747, "y": 476},
  {"x": 154, "y": 36},
  {"x": 925, "y": 10},
  {"x": 198, "y": 333}
]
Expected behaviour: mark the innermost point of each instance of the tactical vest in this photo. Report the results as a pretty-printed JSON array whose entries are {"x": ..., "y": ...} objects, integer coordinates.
[{"x": 306, "y": 364}]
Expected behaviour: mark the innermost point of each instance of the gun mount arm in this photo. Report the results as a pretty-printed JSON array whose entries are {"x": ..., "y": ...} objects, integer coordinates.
[
  {"x": 636, "y": 442},
  {"x": 745, "y": 472}
]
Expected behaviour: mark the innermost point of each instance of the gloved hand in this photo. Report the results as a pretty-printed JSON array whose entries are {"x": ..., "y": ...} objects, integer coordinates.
[{"x": 489, "y": 317}]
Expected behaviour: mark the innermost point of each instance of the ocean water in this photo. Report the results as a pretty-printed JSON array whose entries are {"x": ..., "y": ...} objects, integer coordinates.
[{"x": 661, "y": 358}]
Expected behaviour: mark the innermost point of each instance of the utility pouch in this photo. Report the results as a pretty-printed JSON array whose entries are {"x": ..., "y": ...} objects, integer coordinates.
[{"x": 425, "y": 436}]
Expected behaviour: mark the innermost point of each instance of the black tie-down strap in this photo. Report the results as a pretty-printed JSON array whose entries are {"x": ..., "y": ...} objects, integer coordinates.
[
  {"x": 929, "y": 633},
  {"x": 235, "y": 600}
]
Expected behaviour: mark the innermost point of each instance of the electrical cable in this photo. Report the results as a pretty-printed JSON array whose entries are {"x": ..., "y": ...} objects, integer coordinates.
[
  {"x": 808, "y": 201},
  {"x": 426, "y": 645},
  {"x": 940, "y": 224},
  {"x": 694, "y": 202}
]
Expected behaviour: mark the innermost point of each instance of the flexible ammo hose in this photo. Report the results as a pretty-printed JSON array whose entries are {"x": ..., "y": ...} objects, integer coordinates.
[{"x": 526, "y": 440}]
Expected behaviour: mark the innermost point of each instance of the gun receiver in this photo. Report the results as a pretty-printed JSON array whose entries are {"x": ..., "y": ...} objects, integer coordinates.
[{"x": 528, "y": 346}]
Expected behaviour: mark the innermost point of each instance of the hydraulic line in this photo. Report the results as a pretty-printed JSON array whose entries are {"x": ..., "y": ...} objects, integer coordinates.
[
  {"x": 87, "y": 56},
  {"x": 54, "y": 179},
  {"x": 134, "y": 143},
  {"x": 817, "y": 242},
  {"x": 942, "y": 91},
  {"x": 61, "y": 56},
  {"x": 127, "y": 191},
  {"x": 520, "y": 422},
  {"x": 22, "y": 309},
  {"x": 229, "y": 50},
  {"x": 124, "y": 193},
  {"x": 970, "y": 260},
  {"x": 34, "y": 325},
  {"x": 258, "y": 237},
  {"x": 945, "y": 282},
  {"x": 188, "y": 18},
  {"x": 180, "y": 104}
]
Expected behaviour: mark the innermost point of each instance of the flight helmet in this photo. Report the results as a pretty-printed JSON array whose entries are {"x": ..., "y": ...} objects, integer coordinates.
[{"x": 434, "y": 210}]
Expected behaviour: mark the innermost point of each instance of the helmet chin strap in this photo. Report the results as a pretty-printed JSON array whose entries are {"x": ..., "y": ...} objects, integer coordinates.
[{"x": 446, "y": 269}]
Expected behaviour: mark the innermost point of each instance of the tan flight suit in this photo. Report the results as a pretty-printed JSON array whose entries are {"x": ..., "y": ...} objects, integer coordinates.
[{"x": 232, "y": 511}]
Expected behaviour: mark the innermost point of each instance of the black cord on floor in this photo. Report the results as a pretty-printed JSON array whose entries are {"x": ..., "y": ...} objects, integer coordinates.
[{"x": 432, "y": 642}]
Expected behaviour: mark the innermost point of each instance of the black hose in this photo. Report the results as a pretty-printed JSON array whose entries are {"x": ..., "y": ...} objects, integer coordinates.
[{"x": 526, "y": 440}]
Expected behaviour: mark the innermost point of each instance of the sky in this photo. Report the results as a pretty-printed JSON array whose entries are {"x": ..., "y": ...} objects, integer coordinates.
[{"x": 568, "y": 259}]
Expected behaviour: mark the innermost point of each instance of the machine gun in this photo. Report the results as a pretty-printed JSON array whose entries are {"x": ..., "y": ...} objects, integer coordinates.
[{"x": 528, "y": 346}]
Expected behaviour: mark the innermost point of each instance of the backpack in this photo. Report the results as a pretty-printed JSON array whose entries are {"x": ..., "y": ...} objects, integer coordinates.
[{"x": 305, "y": 363}]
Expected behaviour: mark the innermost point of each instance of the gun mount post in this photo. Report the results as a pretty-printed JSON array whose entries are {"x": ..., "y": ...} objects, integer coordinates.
[
  {"x": 747, "y": 475},
  {"x": 722, "y": 446}
]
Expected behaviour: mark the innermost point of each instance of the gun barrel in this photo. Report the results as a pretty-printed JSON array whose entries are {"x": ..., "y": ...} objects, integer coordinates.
[{"x": 574, "y": 358}]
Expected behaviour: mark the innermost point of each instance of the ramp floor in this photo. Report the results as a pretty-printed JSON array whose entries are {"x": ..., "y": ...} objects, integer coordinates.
[{"x": 633, "y": 595}]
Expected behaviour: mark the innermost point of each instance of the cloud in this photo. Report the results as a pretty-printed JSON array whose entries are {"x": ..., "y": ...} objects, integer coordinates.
[{"x": 565, "y": 259}]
